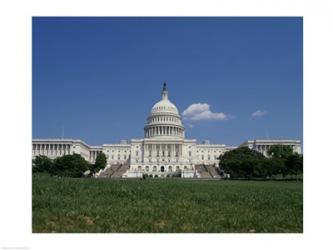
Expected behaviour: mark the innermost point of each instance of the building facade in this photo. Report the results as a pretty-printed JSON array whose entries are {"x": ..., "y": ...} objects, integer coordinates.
[
  {"x": 163, "y": 151},
  {"x": 263, "y": 146}
]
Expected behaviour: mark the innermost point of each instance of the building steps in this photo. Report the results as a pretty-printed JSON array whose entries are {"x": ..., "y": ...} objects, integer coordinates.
[{"x": 207, "y": 171}]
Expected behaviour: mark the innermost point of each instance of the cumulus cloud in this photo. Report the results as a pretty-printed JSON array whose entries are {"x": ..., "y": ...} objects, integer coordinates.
[
  {"x": 259, "y": 113},
  {"x": 201, "y": 111}
]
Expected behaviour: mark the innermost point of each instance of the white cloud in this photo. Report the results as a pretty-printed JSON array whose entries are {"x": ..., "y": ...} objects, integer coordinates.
[
  {"x": 259, "y": 113},
  {"x": 190, "y": 125},
  {"x": 201, "y": 111}
]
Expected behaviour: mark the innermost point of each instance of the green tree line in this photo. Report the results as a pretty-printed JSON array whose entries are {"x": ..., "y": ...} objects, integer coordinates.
[
  {"x": 246, "y": 163},
  {"x": 68, "y": 165}
]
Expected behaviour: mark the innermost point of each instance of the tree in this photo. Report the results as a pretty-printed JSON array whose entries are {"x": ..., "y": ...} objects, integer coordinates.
[
  {"x": 295, "y": 164},
  {"x": 69, "y": 166},
  {"x": 242, "y": 163},
  {"x": 41, "y": 164},
  {"x": 278, "y": 166},
  {"x": 100, "y": 163},
  {"x": 285, "y": 161},
  {"x": 267, "y": 167},
  {"x": 280, "y": 151}
]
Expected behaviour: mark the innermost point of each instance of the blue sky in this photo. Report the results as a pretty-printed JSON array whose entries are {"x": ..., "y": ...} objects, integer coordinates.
[{"x": 99, "y": 77}]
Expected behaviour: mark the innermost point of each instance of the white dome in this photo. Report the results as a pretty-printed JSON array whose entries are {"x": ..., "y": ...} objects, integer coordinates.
[{"x": 164, "y": 106}]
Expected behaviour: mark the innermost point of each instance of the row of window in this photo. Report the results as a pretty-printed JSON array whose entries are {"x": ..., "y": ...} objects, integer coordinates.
[
  {"x": 162, "y": 168},
  {"x": 125, "y": 151},
  {"x": 118, "y": 157},
  {"x": 202, "y": 156},
  {"x": 50, "y": 152},
  {"x": 163, "y": 160},
  {"x": 50, "y": 146}
]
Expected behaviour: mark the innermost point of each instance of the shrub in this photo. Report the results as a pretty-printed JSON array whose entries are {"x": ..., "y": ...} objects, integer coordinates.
[
  {"x": 69, "y": 166},
  {"x": 100, "y": 163},
  {"x": 177, "y": 174},
  {"x": 41, "y": 164}
]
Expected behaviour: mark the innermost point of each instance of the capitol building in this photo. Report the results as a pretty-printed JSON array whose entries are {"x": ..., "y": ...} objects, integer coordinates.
[{"x": 164, "y": 150}]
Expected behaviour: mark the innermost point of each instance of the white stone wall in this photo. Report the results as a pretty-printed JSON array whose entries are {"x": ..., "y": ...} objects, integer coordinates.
[
  {"x": 208, "y": 153},
  {"x": 117, "y": 153},
  {"x": 54, "y": 148}
]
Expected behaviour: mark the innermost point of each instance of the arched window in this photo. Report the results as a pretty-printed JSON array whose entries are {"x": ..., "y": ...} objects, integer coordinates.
[
  {"x": 139, "y": 168},
  {"x": 162, "y": 168},
  {"x": 155, "y": 169},
  {"x": 147, "y": 168},
  {"x": 170, "y": 168},
  {"x": 185, "y": 167},
  {"x": 177, "y": 168}
]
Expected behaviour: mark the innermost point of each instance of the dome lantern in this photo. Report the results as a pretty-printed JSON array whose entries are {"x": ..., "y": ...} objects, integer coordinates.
[{"x": 164, "y": 92}]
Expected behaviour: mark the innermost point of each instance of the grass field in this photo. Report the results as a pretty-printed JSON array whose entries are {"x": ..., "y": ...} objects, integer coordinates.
[{"x": 170, "y": 206}]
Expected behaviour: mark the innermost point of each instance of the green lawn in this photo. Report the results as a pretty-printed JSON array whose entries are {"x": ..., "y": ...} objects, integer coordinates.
[{"x": 165, "y": 205}]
